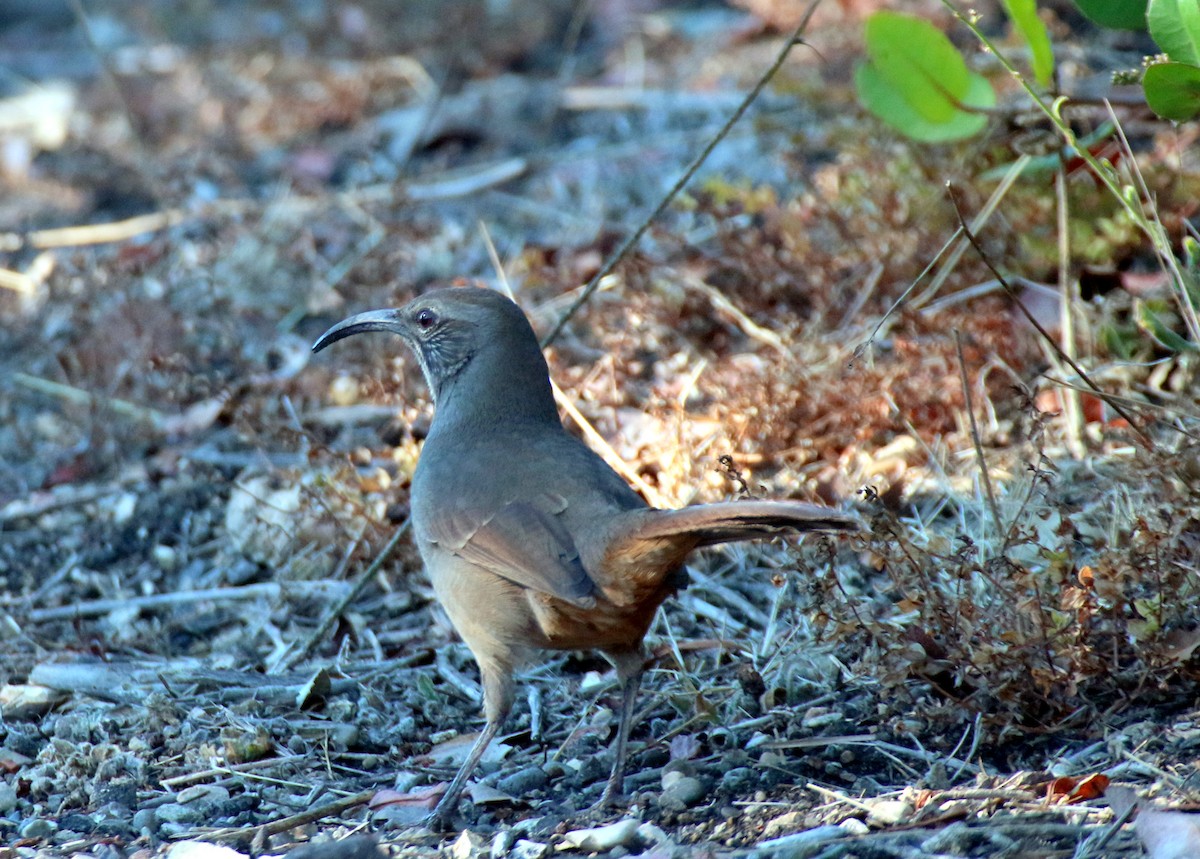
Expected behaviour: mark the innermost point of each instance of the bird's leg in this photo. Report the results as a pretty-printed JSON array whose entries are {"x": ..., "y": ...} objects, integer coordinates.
[
  {"x": 448, "y": 804},
  {"x": 497, "y": 702},
  {"x": 629, "y": 667}
]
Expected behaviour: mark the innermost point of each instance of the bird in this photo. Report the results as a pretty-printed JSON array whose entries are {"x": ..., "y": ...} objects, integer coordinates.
[{"x": 531, "y": 540}]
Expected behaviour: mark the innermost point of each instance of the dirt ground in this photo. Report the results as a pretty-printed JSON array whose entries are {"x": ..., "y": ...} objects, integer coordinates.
[{"x": 199, "y": 658}]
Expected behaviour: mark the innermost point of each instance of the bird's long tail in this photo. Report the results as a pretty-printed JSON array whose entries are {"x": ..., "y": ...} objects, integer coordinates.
[{"x": 731, "y": 521}]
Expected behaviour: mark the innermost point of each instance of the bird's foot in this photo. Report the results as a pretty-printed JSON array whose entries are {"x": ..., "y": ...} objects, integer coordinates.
[
  {"x": 435, "y": 822},
  {"x": 440, "y": 820},
  {"x": 612, "y": 798}
]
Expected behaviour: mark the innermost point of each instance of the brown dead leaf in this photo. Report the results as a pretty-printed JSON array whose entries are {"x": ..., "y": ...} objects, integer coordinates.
[
  {"x": 1069, "y": 791},
  {"x": 420, "y": 797}
]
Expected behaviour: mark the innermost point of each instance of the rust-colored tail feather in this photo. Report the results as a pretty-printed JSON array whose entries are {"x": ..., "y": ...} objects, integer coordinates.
[{"x": 730, "y": 521}]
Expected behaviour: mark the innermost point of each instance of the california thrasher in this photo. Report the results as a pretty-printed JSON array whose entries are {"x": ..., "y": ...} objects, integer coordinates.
[{"x": 530, "y": 539}]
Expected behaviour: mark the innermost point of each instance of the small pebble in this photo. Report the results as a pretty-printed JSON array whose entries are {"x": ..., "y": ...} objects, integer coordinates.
[
  {"x": 122, "y": 509},
  {"x": 344, "y": 391},
  {"x": 683, "y": 792},
  {"x": 145, "y": 820},
  {"x": 76, "y": 822},
  {"x": 854, "y": 826},
  {"x": 523, "y": 781},
  {"x": 677, "y": 768},
  {"x": 737, "y": 780},
  {"x": 466, "y": 845},
  {"x": 38, "y": 827},
  {"x": 8, "y": 798},
  {"x": 201, "y": 850},
  {"x": 404, "y": 781},
  {"x": 888, "y": 812},
  {"x": 602, "y": 838},
  {"x": 651, "y": 834},
  {"x": 501, "y": 843},
  {"x": 528, "y": 850},
  {"x": 165, "y": 557},
  {"x": 209, "y": 793},
  {"x": 174, "y": 812},
  {"x": 399, "y": 815}
]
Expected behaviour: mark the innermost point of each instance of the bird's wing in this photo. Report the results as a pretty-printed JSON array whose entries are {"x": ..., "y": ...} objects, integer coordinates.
[{"x": 524, "y": 542}]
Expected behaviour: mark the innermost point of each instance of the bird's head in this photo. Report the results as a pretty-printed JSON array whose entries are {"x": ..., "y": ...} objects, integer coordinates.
[{"x": 460, "y": 333}]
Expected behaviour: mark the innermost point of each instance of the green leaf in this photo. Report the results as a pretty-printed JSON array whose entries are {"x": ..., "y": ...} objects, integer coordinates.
[
  {"x": 1023, "y": 14},
  {"x": 426, "y": 689},
  {"x": 1173, "y": 90},
  {"x": 1175, "y": 26},
  {"x": 892, "y": 106},
  {"x": 1117, "y": 14},
  {"x": 916, "y": 81},
  {"x": 1152, "y": 324},
  {"x": 920, "y": 61}
]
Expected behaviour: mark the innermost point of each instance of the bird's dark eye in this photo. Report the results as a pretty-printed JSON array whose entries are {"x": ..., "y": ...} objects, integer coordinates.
[{"x": 426, "y": 319}]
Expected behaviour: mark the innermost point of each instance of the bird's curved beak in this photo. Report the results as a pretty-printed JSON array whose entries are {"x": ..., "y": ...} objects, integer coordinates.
[{"x": 371, "y": 320}]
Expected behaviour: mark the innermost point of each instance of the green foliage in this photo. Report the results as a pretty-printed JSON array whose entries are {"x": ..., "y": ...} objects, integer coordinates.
[
  {"x": 1024, "y": 16},
  {"x": 1156, "y": 318},
  {"x": 1173, "y": 90},
  {"x": 917, "y": 82},
  {"x": 1175, "y": 27},
  {"x": 1117, "y": 14}
]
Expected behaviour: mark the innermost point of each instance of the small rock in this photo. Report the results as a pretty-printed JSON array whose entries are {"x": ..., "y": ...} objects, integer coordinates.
[
  {"x": 201, "y": 850},
  {"x": 523, "y": 781},
  {"x": 37, "y": 828},
  {"x": 354, "y": 847},
  {"x": 854, "y": 826},
  {"x": 794, "y": 844},
  {"x": 404, "y": 781},
  {"x": 344, "y": 391},
  {"x": 593, "y": 768},
  {"x": 501, "y": 842},
  {"x": 171, "y": 831},
  {"x": 145, "y": 820},
  {"x": 123, "y": 508},
  {"x": 203, "y": 793},
  {"x": 651, "y": 834},
  {"x": 737, "y": 780},
  {"x": 297, "y": 745},
  {"x": 789, "y": 821},
  {"x": 399, "y": 815},
  {"x": 165, "y": 557},
  {"x": 770, "y": 760},
  {"x": 76, "y": 822},
  {"x": 683, "y": 792},
  {"x": 524, "y": 849},
  {"x": 27, "y": 700},
  {"x": 888, "y": 812},
  {"x": 466, "y": 846},
  {"x": 602, "y": 838},
  {"x": 114, "y": 827},
  {"x": 677, "y": 766},
  {"x": 21, "y": 745},
  {"x": 174, "y": 812},
  {"x": 8, "y": 798}
]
